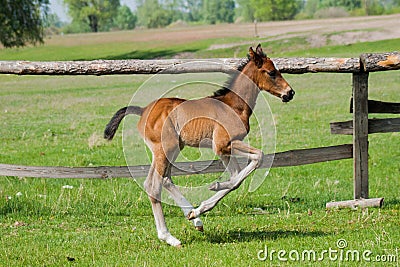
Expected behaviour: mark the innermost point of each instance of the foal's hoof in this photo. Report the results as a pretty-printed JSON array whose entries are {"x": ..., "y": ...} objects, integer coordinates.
[
  {"x": 214, "y": 186},
  {"x": 171, "y": 240},
  {"x": 191, "y": 216},
  {"x": 200, "y": 228},
  {"x": 217, "y": 186}
]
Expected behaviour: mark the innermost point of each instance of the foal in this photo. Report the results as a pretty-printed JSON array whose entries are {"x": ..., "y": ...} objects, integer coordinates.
[{"x": 219, "y": 122}]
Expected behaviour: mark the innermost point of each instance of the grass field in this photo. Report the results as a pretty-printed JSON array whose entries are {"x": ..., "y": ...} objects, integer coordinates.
[{"x": 51, "y": 121}]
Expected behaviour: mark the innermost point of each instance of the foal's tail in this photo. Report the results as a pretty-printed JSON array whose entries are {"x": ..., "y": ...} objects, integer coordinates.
[{"x": 112, "y": 126}]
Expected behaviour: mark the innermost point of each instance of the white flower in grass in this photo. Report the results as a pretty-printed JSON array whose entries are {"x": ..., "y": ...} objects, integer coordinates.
[
  {"x": 67, "y": 187},
  {"x": 18, "y": 194}
]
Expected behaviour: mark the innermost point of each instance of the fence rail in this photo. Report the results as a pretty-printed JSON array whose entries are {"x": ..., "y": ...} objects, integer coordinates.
[
  {"x": 367, "y": 63},
  {"x": 174, "y": 66},
  {"x": 282, "y": 159}
]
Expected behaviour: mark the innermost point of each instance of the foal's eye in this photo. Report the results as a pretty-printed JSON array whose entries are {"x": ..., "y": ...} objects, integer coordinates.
[{"x": 272, "y": 73}]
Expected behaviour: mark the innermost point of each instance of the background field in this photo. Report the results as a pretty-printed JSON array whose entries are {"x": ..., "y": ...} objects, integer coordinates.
[{"x": 59, "y": 121}]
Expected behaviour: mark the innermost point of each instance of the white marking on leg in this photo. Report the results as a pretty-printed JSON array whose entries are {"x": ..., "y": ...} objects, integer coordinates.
[
  {"x": 153, "y": 188},
  {"x": 233, "y": 168},
  {"x": 180, "y": 200},
  {"x": 210, "y": 203},
  {"x": 238, "y": 148}
]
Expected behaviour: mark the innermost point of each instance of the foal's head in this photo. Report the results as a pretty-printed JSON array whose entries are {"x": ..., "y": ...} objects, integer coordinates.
[{"x": 266, "y": 76}]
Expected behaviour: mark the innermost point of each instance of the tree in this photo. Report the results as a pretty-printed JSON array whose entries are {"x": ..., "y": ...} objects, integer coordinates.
[
  {"x": 193, "y": 10},
  {"x": 226, "y": 11},
  {"x": 153, "y": 14},
  {"x": 21, "y": 21},
  {"x": 145, "y": 9},
  {"x": 275, "y": 9},
  {"x": 308, "y": 10},
  {"x": 125, "y": 19},
  {"x": 218, "y": 11},
  {"x": 373, "y": 7},
  {"x": 53, "y": 20},
  {"x": 245, "y": 10},
  {"x": 210, "y": 9},
  {"x": 174, "y": 8},
  {"x": 159, "y": 19},
  {"x": 97, "y": 14},
  {"x": 347, "y": 4}
]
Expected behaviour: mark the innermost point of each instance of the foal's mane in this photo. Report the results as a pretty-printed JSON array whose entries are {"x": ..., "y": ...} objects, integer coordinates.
[{"x": 226, "y": 88}]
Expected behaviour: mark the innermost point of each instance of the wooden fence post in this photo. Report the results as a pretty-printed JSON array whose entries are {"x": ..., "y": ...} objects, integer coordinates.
[{"x": 360, "y": 134}]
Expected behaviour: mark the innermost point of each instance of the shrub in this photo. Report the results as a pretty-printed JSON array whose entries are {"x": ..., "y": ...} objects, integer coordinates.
[{"x": 331, "y": 12}]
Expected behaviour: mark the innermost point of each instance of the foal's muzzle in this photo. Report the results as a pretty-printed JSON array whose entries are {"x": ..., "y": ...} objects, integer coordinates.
[{"x": 289, "y": 96}]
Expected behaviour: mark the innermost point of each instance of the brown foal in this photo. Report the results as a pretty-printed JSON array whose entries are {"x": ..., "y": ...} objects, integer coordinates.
[{"x": 219, "y": 122}]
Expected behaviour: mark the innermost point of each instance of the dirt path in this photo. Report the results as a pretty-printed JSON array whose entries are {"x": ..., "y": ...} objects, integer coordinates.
[
  {"x": 355, "y": 29},
  {"x": 335, "y": 31}
]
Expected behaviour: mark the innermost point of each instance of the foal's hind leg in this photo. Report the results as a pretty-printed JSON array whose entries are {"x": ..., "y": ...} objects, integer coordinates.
[
  {"x": 174, "y": 192},
  {"x": 237, "y": 148},
  {"x": 172, "y": 149},
  {"x": 233, "y": 167}
]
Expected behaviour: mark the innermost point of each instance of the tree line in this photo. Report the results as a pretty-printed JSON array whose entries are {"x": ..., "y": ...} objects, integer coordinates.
[{"x": 24, "y": 21}]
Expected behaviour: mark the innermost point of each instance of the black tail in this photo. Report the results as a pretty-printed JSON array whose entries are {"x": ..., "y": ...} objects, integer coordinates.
[{"x": 112, "y": 126}]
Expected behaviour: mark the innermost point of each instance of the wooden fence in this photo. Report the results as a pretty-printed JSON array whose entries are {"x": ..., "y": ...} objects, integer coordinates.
[{"x": 359, "y": 127}]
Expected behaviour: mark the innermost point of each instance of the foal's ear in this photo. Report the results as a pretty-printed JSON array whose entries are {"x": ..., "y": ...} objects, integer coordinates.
[
  {"x": 253, "y": 56},
  {"x": 260, "y": 52}
]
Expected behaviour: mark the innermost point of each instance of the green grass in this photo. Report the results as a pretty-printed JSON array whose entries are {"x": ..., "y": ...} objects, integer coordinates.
[
  {"x": 298, "y": 47},
  {"x": 51, "y": 121},
  {"x": 96, "y": 51},
  {"x": 71, "y": 49},
  {"x": 351, "y": 50}
]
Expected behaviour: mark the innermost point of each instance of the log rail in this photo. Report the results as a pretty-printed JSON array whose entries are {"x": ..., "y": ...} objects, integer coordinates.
[
  {"x": 282, "y": 159},
  {"x": 172, "y": 66}
]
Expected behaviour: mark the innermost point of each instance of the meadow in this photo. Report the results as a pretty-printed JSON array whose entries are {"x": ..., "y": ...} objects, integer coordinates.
[{"x": 58, "y": 121}]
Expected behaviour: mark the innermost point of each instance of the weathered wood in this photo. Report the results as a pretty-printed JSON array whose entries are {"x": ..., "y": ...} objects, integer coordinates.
[
  {"x": 282, "y": 159},
  {"x": 380, "y": 107},
  {"x": 353, "y": 204},
  {"x": 370, "y": 62},
  {"x": 304, "y": 65},
  {"x": 380, "y": 61},
  {"x": 360, "y": 134},
  {"x": 374, "y": 126},
  {"x": 312, "y": 155},
  {"x": 109, "y": 67}
]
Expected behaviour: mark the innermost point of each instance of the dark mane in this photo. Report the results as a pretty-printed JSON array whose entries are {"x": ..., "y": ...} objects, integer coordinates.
[{"x": 226, "y": 88}]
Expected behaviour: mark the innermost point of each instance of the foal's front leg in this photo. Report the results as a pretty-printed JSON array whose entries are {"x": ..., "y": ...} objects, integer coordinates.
[
  {"x": 181, "y": 201},
  {"x": 237, "y": 148}
]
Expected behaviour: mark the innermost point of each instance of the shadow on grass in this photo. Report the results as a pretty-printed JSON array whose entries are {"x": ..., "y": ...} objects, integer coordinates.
[
  {"x": 391, "y": 203},
  {"x": 248, "y": 236},
  {"x": 150, "y": 54},
  {"x": 24, "y": 208}
]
